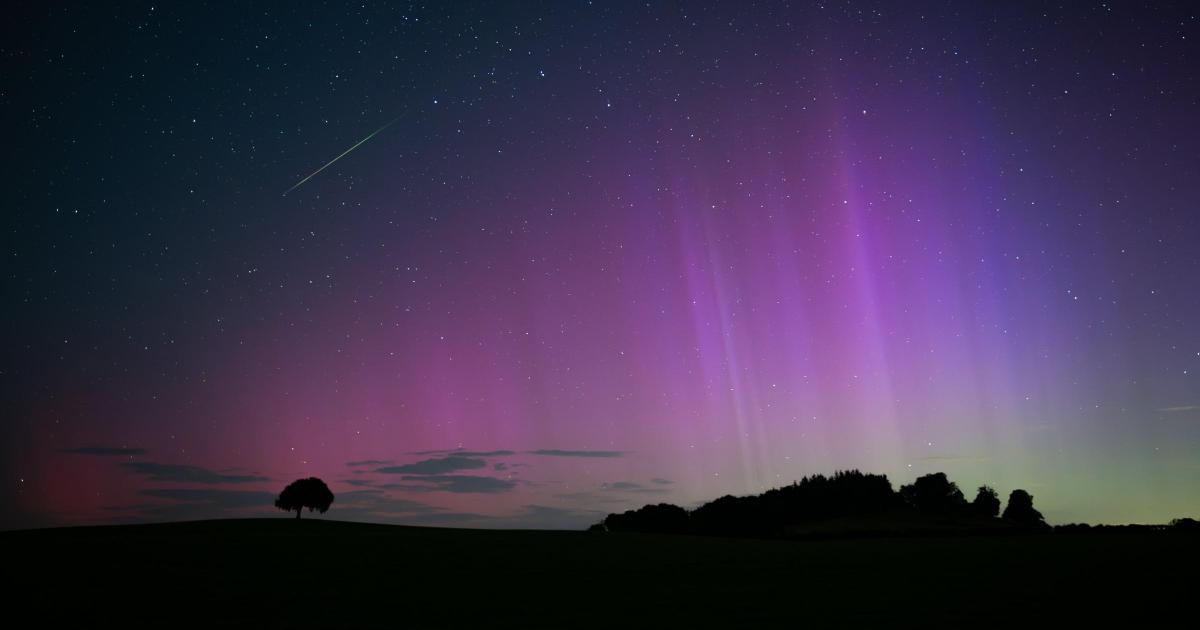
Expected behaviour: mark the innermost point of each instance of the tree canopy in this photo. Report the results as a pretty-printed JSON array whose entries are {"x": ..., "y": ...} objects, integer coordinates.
[
  {"x": 934, "y": 493},
  {"x": 311, "y": 493},
  {"x": 986, "y": 503},
  {"x": 1020, "y": 509}
]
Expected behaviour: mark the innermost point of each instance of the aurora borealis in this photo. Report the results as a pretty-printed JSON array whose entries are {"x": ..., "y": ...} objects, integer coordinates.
[{"x": 610, "y": 254}]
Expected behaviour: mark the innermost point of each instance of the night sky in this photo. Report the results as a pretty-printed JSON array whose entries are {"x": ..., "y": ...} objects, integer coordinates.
[{"x": 596, "y": 255}]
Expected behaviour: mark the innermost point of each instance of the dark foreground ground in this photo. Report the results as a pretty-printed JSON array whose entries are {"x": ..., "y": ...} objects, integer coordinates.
[{"x": 282, "y": 572}]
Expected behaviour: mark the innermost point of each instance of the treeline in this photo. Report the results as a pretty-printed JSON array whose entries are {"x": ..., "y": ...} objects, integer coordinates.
[
  {"x": 1181, "y": 525},
  {"x": 851, "y": 500}
]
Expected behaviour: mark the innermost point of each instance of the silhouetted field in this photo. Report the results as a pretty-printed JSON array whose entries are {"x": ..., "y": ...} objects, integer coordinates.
[{"x": 284, "y": 572}]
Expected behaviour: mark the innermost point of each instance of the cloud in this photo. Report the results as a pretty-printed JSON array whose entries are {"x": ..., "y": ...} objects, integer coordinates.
[
  {"x": 590, "y": 498},
  {"x": 553, "y": 452},
  {"x": 109, "y": 451},
  {"x": 631, "y": 486},
  {"x": 380, "y": 499},
  {"x": 449, "y": 519},
  {"x": 548, "y": 517},
  {"x": 435, "y": 466},
  {"x": 461, "y": 452},
  {"x": 357, "y": 482},
  {"x": 660, "y": 481},
  {"x": 370, "y": 462},
  {"x": 213, "y": 497},
  {"x": 526, "y": 517},
  {"x": 181, "y": 473},
  {"x": 369, "y": 505},
  {"x": 173, "y": 504},
  {"x": 1181, "y": 409},
  {"x": 454, "y": 460},
  {"x": 453, "y": 483},
  {"x": 376, "y": 505}
]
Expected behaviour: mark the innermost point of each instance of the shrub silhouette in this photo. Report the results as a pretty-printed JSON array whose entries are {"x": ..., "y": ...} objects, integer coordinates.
[
  {"x": 1185, "y": 525},
  {"x": 934, "y": 494},
  {"x": 986, "y": 503},
  {"x": 1020, "y": 510},
  {"x": 663, "y": 518},
  {"x": 311, "y": 493}
]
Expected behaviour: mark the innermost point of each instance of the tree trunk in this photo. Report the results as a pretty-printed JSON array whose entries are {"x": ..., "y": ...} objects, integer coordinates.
[{"x": 298, "y": 513}]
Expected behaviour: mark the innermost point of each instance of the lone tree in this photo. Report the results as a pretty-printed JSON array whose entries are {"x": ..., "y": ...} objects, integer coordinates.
[{"x": 311, "y": 493}]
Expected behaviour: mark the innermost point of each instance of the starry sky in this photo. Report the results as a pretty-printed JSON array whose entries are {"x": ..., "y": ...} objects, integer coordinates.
[{"x": 596, "y": 255}]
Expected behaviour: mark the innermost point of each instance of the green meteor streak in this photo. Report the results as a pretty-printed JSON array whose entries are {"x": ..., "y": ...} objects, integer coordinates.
[{"x": 343, "y": 154}]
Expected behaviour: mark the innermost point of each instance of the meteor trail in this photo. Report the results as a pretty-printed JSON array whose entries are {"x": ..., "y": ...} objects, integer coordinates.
[{"x": 356, "y": 145}]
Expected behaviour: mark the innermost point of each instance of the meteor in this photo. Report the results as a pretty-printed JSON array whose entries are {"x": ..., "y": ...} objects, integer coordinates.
[{"x": 343, "y": 154}]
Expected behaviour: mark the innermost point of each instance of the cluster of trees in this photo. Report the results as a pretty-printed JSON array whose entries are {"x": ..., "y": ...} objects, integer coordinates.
[
  {"x": 936, "y": 494},
  {"x": 847, "y": 494},
  {"x": 1188, "y": 526}
]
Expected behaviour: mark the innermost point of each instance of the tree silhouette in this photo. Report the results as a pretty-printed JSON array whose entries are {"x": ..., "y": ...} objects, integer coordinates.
[
  {"x": 1185, "y": 525},
  {"x": 311, "y": 493},
  {"x": 934, "y": 493},
  {"x": 1020, "y": 509},
  {"x": 986, "y": 503},
  {"x": 663, "y": 518},
  {"x": 849, "y": 501}
]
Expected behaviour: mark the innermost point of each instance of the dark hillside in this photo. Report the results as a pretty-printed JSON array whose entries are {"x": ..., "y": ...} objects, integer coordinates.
[{"x": 321, "y": 573}]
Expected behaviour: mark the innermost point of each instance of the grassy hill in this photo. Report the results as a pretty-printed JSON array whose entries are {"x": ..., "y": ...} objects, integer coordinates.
[{"x": 284, "y": 572}]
